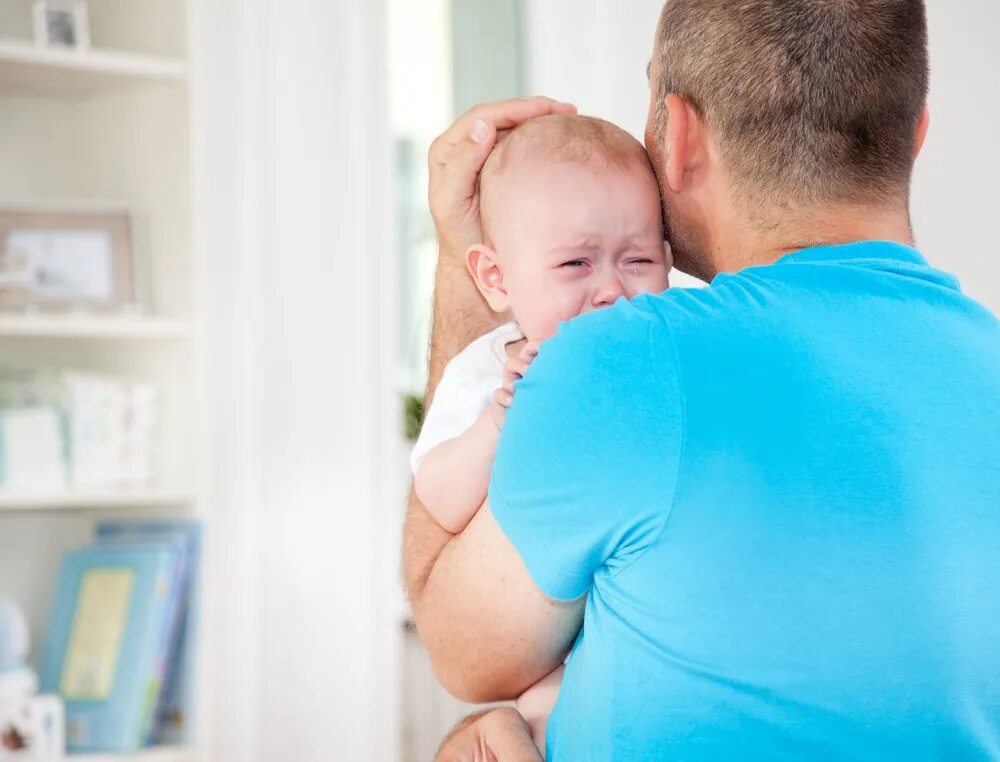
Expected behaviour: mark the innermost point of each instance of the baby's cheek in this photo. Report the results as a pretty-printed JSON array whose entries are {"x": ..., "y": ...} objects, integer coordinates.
[{"x": 650, "y": 284}]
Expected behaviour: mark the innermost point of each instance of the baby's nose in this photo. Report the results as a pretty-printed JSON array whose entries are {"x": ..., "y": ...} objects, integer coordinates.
[{"x": 609, "y": 291}]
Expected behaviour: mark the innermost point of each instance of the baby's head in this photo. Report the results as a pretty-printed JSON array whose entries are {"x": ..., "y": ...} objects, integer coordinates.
[{"x": 571, "y": 221}]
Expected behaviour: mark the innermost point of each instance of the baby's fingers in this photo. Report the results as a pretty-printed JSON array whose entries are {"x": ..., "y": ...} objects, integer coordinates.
[
  {"x": 513, "y": 371},
  {"x": 503, "y": 396},
  {"x": 528, "y": 353}
]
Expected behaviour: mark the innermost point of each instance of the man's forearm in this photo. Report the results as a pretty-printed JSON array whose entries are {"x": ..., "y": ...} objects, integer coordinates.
[{"x": 460, "y": 317}]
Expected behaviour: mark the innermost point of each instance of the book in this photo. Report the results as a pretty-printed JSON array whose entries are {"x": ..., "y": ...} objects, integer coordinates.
[
  {"x": 104, "y": 635},
  {"x": 172, "y": 723}
]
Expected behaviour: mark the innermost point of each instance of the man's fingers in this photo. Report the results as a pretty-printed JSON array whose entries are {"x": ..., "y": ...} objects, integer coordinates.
[
  {"x": 502, "y": 115},
  {"x": 500, "y": 735},
  {"x": 465, "y": 159},
  {"x": 508, "y": 737}
]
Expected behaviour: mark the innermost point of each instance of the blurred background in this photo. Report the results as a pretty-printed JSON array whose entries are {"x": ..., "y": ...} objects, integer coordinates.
[{"x": 215, "y": 291}]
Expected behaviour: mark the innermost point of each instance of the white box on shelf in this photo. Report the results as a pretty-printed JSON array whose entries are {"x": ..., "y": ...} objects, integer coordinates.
[
  {"x": 31, "y": 449},
  {"x": 111, "y": 429}
]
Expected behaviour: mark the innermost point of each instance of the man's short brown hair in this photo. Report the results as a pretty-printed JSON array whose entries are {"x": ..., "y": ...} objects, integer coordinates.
[{"x": 809, "y": 101}]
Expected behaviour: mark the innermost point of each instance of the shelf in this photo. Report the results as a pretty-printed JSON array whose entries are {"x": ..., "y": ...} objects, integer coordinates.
[
  {"x": 165, "y": 754},
  {"x": 83, "y": 500},
  {"x": 27, "y": 68},
  {"x": 92, "y": 327}
]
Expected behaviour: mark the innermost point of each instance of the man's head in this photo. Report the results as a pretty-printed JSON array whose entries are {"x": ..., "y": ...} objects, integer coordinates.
[
  {"x": 571, "y": 222},
  {"x": 782, "y": 107}
]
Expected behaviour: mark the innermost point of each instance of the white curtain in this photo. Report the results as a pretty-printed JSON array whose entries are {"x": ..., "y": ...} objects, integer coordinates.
[{"x": 293, "y": 220}]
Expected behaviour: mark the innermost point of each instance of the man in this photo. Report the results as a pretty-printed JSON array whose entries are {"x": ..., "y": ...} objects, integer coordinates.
[{"x": 773, "y": 505}]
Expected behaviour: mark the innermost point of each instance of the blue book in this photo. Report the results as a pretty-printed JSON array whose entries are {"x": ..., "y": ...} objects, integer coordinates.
[
  {"x": 104, "y": 633},
  {"x": 172, "y": 722}
]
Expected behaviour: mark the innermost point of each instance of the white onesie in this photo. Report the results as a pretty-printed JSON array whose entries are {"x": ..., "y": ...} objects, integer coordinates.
[{"x": 465, "y": 390}]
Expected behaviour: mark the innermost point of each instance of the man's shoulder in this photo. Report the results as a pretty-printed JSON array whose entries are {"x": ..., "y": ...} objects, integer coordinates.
[{"x": 650, "y": 318}]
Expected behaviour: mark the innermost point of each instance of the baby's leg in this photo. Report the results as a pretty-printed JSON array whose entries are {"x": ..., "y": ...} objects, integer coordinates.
[{"x": 536, "y": 704}]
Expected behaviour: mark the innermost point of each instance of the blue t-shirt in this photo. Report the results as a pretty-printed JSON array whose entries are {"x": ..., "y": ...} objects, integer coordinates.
[{"x": 782, "y": 497}]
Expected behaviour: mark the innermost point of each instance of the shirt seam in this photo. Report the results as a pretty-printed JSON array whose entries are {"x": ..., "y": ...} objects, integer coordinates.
[
  {"x": 680, "y": 455},
  {"x": 496, "y": 498}
]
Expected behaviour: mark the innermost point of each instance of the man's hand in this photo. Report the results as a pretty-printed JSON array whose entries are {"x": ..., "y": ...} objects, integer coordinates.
[
  {"x": 499, "y": 735},
  {"x": 456, "y": 158},
  {"x": 513, "y": 371}
]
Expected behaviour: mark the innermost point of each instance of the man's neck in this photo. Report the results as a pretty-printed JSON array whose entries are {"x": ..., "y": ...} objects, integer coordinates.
[{"x": 763, "y": 242}]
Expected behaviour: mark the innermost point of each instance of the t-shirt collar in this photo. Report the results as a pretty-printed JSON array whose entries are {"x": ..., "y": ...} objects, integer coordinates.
[
  {"x": 886, "y": 256},
  {"x": 870, "y": 250}
]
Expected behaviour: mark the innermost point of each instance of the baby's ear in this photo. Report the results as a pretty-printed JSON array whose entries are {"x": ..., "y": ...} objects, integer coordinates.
[{"x": 485, "y": 268}]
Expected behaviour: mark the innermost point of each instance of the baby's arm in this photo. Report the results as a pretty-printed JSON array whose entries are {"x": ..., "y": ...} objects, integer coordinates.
[
  {"x": 454, "y": 477},
  {"x": 536, "y": 704}
]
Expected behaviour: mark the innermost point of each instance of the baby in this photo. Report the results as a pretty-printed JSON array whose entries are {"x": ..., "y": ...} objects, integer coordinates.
[{"x": 571, "y": 222}]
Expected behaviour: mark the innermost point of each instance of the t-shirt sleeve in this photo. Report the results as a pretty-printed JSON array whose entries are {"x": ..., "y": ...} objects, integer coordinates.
[{"x": 587, "y": 464}]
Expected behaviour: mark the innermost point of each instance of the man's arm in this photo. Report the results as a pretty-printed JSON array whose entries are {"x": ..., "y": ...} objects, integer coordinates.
[{"x": 489, "y": 630}]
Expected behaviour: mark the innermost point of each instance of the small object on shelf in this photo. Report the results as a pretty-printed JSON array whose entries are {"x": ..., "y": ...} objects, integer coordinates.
[
  {"x": 62, "y": 24},
  {"x": 15, "y": 637},
  {"x": 32, "y": 454},
  {"x": 31, "y": 726},
  {"x": 64, "y": 259},
  {"x": 111, "y": 425},
  {"x": 105, "y": 633},
  {"x": 32, "y": 730},
  {"x": 86, "y": 430}
]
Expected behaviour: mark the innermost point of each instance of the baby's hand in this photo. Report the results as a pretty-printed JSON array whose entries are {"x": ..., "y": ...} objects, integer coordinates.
[{"x": 513, "y": 371}]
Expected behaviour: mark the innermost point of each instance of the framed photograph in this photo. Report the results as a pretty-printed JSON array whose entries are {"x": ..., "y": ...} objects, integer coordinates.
[
  {"x": 62, "y": 24},
  {"x": 60, "y": 260}
]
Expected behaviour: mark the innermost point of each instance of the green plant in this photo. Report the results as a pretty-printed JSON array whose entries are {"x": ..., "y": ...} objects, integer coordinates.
[{"x": 413, "y": 415}]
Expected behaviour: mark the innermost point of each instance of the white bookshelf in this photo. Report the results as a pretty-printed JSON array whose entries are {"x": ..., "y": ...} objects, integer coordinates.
[
  {"x": 41, "y": 326},
  {"x": 27, "y": 68},
  {"x": 82, "y": 129},
  {"x": 167, "y": 754},
  {"x": 90, "y": 500}
]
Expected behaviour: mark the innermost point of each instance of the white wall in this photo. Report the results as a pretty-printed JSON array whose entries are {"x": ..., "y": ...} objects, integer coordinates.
[
  {"x": 956, "y": 191},
  {"x": 594, "y": 53}
]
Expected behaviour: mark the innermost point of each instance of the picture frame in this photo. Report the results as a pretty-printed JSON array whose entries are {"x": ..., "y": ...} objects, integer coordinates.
[
  {"x": 67, "y": 259},
  {"x": 63, "y": 24}
]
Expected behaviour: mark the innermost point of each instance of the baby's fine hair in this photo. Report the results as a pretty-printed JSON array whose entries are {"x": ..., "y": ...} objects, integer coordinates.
[{"x": 558, "y": 139}]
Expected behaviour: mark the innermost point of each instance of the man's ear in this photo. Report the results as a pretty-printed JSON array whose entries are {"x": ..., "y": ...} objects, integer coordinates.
[
  {"x": 482, "y": 263},
  {"x": 685, "y": 149},
  {"x": 922, "y": 126}
]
